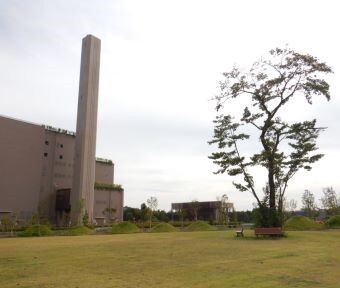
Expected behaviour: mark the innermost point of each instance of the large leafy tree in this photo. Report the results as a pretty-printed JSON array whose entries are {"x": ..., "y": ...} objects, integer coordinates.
[{"x": 264, "y": 92}]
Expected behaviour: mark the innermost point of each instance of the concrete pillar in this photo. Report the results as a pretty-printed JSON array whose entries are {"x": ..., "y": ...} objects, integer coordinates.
[{"x": 82, "y": 194}]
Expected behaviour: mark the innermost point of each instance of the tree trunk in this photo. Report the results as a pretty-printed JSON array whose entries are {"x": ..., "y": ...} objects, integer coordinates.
[
  {"x": 272, "y": 189},
  {"x": 273, "y": 221}
]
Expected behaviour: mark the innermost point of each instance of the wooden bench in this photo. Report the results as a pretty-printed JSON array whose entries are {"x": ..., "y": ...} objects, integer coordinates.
[
  {"x": 268, "y": 231},
  {"x": 239, "y": 232}
]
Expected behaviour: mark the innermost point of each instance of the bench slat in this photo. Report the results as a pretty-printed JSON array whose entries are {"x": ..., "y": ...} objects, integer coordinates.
[{"x": 268, "y": 231}]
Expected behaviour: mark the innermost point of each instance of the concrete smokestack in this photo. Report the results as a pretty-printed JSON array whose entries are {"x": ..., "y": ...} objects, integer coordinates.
[{"x": 82, "y": 194}]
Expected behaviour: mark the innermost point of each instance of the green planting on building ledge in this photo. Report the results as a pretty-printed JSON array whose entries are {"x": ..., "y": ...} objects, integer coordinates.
[
  {"x": 104, "y": 161},
  {"x": 105, "y": 186}
]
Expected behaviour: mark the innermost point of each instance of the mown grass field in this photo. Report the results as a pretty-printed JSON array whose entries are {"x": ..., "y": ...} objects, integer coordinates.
[{"x": 179, "y": 259}]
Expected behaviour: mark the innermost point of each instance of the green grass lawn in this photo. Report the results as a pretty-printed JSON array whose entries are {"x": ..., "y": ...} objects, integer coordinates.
[{"x": 178, "y": 259}]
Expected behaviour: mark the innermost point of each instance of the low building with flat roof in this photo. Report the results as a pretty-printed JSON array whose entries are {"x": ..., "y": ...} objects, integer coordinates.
[
  {"x": 204, "y": 210},
  {"x": 36, "y": 171}
]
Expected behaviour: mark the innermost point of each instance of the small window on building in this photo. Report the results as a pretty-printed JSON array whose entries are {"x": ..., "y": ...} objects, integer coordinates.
[
  {"x": 61, "y": 145},
  {"x": 60, "y": 156},
  {"x": 45, "y": 154},
  {"x": 46, "y": 142}
]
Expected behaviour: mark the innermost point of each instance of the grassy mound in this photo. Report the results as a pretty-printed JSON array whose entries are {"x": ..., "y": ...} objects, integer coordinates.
[
  {"x": 301, "y": 223},
  {"x": 200, "y": 226},
  {"x": 334, "y": 222},
  {"x": 124, "y": 228},
  {"x": 164, "y": 227},
  {"x": 77, "y": 231},
  {"x": 36, "y": 230}
]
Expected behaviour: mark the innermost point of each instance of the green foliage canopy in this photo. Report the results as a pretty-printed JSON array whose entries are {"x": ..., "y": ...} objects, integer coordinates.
[{"x": 334, "y": 222}]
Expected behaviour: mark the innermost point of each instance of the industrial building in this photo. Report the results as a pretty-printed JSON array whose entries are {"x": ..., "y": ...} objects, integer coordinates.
[
  {"x": 204, "y": 210},
  {"x": 54, "y": 173}
]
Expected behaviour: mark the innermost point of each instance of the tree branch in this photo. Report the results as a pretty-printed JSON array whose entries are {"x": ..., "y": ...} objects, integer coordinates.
[{"x": 245, "y": 174}]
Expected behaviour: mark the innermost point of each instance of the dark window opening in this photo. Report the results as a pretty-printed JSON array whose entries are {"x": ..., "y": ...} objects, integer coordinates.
[
  {"x": 45, "y": 154},
  {"x": 60, "y": 156},
  {"x": 61, "y": 145},
  {"x": 62, "y": 202},
  {"x": 46, "y": 142}
]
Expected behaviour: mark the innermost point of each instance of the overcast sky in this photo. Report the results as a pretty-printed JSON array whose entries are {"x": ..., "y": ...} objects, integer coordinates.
[{"x": 160, "y": 66}]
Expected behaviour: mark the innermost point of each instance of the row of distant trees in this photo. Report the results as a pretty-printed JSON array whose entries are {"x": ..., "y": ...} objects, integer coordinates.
[
  {"x": 330, "y": 203},
  {"x": 148, "y": 212},
  {"x": 142, "y": 214}
]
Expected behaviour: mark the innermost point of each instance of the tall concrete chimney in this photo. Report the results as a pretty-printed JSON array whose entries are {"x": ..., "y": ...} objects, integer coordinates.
[{"x": 82, "y": 194}]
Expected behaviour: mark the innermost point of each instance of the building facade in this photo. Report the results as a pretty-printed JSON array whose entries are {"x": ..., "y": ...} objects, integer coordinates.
[
  {"x": 215, "y": 211},
  {"x": 53, "y": 172},
  {"x": 36, "y": 172}
]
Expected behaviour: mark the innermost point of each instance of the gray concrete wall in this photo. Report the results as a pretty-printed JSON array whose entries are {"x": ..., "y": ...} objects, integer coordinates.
[
  {"x": 108, "y": 199},
  {"x": 104, "y": 173},
  {"x": 57, "y": 170},
  {"x": 21, "y": 154}
]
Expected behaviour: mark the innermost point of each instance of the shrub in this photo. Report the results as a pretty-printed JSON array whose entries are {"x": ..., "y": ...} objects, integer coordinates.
[
  {"x": 264, "y": 217},
  {"x": 124, "y": 228},
  {"x": 36, "y": 230},
  {"x": 200, "y": 226},
  {"x": 164, "y": 227},
  {"x": 302, "y": 223},
  {"x": 77, "y": 231},
  {"x": 334, "y": 221},
  {"x": 86, "y": 218}
]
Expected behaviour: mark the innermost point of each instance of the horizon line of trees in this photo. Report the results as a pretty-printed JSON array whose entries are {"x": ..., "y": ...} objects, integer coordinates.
[
  {"x": 330, "y": 203},
  {"x": 148, "y": 212}
]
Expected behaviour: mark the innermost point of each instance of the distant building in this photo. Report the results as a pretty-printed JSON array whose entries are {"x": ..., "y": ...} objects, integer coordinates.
[
  {"x": 53, "y": 172},
  {"x": 207, "y": 210}
]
